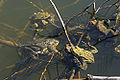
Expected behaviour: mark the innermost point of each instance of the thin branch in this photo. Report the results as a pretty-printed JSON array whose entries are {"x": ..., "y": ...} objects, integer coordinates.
[
  {"x": 69, "y": 5},
  {"x": 21, "y": 71},
  {"x": 22, "y": 33},
  {"x": 106, "y": 39},
  {"x": 10, "y": 43},
  {"x": 80, "y": 39},
  {"x": 92, "y": 77},
  {"x": 101, "y": 6},
  {"x": 35, "y": 5},
  {"x": 47, "y": 66},
  {"x": 79, "y": 14},
  {"x": 62, "y": 22}
]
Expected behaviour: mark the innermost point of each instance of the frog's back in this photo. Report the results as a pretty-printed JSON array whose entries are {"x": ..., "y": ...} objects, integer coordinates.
[
  {"x": 85, "y": 54},
  {"x": 88, "y": 56},
  {"x": 40, "y": 46}
]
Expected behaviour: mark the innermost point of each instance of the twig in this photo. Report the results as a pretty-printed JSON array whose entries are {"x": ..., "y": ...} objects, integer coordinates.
[
  {"x": 9, "y": 26},
  {"x": 22, "y": 33},
  {"x": 7, "y": 67},
  {"x": 80, "y": 39},
  {"x": 114, "y": 4},
  {"x": 35, "y": 5},
  {"x": 69, "y": 5},
  {"x": 22, "y": 70},
  {"x": 46, "y": 66},
  {"x": 91, "y": 77},
  {"x": 62, "y": 22},
  {"x": 10, "y": 43},
  {"x": 101, "y": 6},
  {"x": 79, "y": 14},
  {"x": 106, "y": 39},
  {"x": 93, "y": 15}
]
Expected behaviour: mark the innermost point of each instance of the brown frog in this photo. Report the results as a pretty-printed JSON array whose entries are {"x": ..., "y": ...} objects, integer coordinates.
[
  {"x": 40, "y": 46},
  {"x": 42, "y": 18},
  {"x": 85, "y": 55},
  {"x": 45, "y": 17}
]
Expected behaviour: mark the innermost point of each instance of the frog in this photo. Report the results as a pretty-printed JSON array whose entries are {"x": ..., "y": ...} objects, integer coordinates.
[
  {"x": 81, "y": 56},
  {"x": 86, "y": 55},
  {"x": 42, "y": 18},
  {"x": 41, "y": 46},
  {"x": 39, "y": 22}
]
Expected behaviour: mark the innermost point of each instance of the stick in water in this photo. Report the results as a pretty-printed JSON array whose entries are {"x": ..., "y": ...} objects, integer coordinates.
[
  {"x": 10, "y": 43},
  {"x": 62, "y": 22}
]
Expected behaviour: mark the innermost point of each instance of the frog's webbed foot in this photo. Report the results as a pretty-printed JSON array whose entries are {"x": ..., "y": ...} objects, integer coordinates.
[{"x": 95, "y": 50}]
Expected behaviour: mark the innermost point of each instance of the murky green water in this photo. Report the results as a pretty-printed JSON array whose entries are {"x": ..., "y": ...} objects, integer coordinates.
[{"x": 14, "y": 14}]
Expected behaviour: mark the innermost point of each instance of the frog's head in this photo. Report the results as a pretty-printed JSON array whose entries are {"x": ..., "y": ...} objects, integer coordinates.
[{"x": 52, "y": 42}]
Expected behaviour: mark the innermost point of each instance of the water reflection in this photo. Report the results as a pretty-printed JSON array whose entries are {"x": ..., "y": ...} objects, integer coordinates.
[{"x": 16, "y": 13}]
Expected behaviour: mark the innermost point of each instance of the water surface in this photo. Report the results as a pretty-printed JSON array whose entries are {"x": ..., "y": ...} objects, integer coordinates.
[{"x": 14, "y": 14}]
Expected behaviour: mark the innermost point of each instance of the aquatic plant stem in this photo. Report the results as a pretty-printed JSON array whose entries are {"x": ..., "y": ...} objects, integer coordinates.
[
  {"x": 62, "y": 22},
  {"x": 47, "y": 66},
  {"x": 34, "y": 5},
  {"x": 10, "y": 43}
]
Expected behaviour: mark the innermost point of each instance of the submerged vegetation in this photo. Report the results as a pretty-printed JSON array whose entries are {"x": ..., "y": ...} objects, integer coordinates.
[{"x": 71, "y": 43}]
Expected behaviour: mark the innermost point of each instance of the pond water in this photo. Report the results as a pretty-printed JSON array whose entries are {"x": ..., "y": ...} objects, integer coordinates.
[{"x": 14, "y": 14}]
